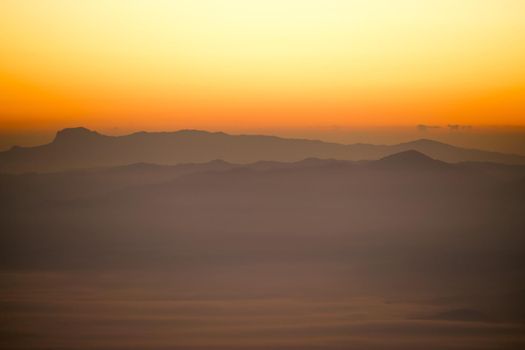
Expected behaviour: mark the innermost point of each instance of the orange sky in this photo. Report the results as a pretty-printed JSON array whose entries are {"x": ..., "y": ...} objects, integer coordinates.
[{"x": 239, "y": 64}]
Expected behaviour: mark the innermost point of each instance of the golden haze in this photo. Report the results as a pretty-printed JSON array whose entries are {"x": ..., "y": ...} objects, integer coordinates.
[{"x": 226, "y": 64}]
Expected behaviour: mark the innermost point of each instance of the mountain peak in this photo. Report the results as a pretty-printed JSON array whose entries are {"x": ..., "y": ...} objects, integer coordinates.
[
  {"x": 76, "y": 134},
  {"x": 426, "y": 142},
  {"x": 409, "y": 158}
]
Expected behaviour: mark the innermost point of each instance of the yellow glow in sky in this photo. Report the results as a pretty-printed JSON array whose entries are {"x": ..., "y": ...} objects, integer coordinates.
[{"x": 219, "y": 64}]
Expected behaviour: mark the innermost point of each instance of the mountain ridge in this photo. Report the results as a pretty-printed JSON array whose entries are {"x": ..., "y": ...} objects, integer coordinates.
[{"x": 75, "y": 148}]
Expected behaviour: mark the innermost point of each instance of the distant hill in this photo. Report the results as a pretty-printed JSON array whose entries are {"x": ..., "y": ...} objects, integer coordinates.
[
  {"x": 325, "y": 204},
  {"x": 82, "y": 148},
  {"x": 411, "y": 159},
  {"x": 385, "y": 174},
  {"x": 446, "y": 237}
]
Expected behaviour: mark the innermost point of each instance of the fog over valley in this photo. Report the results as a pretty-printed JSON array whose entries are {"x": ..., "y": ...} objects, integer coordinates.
[{"x": 403, "y": 252}]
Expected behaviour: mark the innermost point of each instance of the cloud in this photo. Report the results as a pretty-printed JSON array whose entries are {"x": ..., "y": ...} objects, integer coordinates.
[
  {"x": 455, "y": 127},
  {"x": 424, "y": 127}
]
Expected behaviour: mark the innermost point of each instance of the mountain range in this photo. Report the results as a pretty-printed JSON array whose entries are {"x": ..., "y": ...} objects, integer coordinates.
[
  {"x": 404, "y": 248},
  {"x": 76, "y": 148},
  {"x": 311, "y": 196}
]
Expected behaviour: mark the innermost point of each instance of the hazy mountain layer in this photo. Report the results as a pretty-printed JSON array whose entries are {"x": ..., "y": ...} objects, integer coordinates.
[
  {"x": 406, "y": 252},
  {"x": 82, "y": 148}
]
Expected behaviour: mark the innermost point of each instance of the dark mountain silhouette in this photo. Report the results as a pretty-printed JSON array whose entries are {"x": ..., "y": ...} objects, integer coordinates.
[
  {"x": 77, "y": 136},
  {"x": 410, "y": 160},
  {"x": 410, "y": 157},
  {"x": 82, "y": 148}
]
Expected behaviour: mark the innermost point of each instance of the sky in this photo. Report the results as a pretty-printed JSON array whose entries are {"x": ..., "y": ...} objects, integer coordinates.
[{"x": 291, "y": 67}]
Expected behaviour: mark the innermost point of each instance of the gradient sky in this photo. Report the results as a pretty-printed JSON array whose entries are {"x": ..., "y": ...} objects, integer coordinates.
[{"x": 251, "y": 65}]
